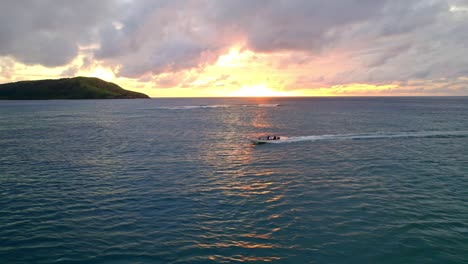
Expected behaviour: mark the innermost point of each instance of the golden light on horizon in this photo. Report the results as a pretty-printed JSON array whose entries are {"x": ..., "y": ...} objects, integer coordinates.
[
  {"x": 237, "y": 73},
  {"x": 260, "y": 90}
]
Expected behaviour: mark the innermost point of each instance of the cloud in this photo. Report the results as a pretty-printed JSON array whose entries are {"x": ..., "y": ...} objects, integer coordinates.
[
  {"x": 176, "y": 35},
  {"x": 6, "y": 68},
  {"x": 302, "y": 25},
  {"x": 162, "y": 36},
  {"x": 330, "y": 42},
  {"x": 49, "y": 32},
  {"x": 70, "y": 71}
]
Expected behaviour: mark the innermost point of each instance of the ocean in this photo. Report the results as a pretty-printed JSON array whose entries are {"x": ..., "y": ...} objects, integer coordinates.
[{"x": 357, "y": 180}]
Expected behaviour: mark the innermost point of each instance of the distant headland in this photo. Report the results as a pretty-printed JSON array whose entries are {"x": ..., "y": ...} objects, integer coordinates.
[{"x": 66, "y": 88}]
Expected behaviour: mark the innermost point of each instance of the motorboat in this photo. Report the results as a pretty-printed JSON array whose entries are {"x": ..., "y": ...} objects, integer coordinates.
[{"x": 266, "y": 139}]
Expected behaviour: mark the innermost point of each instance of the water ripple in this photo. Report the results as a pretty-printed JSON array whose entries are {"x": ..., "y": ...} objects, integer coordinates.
[{"x": 100, "y": 182}]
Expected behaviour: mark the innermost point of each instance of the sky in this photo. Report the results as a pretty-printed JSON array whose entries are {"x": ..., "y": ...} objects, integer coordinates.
[{"x": 185, "y": 48}]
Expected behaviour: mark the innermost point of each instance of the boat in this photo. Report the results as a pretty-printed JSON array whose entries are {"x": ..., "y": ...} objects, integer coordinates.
[{"x": 266, "y": 139}]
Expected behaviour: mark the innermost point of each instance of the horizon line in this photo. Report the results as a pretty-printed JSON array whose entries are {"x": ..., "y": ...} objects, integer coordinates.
[{"x": 306, "y": 96}]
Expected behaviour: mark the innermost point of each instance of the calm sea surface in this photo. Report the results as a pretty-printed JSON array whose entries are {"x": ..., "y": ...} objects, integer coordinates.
[{"x": 359, "y": 180}]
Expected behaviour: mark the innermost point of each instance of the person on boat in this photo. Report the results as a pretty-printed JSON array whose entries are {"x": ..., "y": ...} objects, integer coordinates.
[{"x": 269, "y": 137}]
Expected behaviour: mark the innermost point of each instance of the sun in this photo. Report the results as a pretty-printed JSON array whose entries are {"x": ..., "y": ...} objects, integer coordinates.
[{"x": 260, "y": 90}]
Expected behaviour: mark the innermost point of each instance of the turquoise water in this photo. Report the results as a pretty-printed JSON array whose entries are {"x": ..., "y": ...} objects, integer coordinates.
[{"x": 359, "y": 180}]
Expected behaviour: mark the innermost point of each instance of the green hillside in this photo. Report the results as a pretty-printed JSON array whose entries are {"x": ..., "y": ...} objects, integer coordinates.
[{"x": 66, "y": 88}]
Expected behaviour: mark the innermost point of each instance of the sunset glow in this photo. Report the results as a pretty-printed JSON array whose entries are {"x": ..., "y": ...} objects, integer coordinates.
[
  {"x": 257, "y": 91},
  {"x": 221, "y": 49},
  {"x": 103, "y": 73}
]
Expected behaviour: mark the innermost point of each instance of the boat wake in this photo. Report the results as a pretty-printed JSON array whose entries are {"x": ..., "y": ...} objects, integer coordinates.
[
  {"x": 261, "y": 105},
  {"x": 378, "y": 135},
  {"x": 190, "y": 107}
]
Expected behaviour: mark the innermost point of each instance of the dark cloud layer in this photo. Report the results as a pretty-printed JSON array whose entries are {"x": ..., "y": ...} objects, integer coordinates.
[
  {"x": 49, "y": 32},
  {"x": 386, "y": 40},
  {"x": 294, "y": 25}
]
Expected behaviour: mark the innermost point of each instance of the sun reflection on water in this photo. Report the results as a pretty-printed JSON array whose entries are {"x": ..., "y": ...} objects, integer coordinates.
[
  {"x": 236, "y": 180},
  {"x": 242, "y": 258}
]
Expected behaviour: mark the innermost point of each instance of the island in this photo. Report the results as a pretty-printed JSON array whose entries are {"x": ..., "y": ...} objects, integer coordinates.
[{"x": 66, "y": 88}]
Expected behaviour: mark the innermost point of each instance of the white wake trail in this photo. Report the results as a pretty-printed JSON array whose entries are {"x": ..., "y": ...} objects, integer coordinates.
[
  {"x": 377, "y": 135},
  {"x": 190, "y": 107}
]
